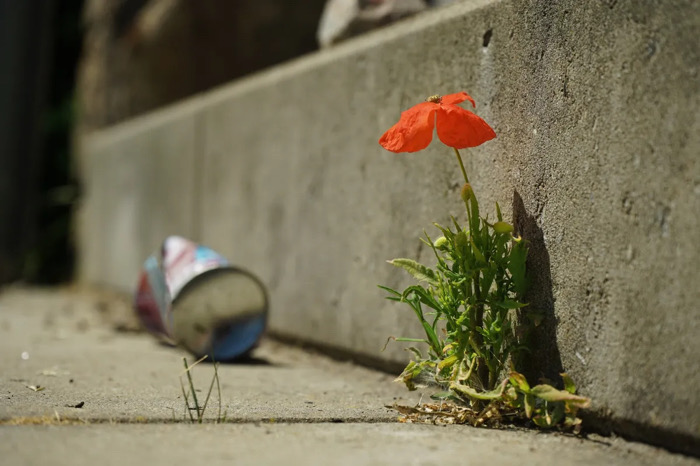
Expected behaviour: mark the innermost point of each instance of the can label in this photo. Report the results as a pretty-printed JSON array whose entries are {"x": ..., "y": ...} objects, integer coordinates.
[{"x": 190, "y": 295}]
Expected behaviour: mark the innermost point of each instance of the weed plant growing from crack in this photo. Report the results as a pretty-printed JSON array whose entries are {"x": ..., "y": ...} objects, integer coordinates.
[
  {"x": 470, "y": 304},
  {"x": 199, "y": 410}
]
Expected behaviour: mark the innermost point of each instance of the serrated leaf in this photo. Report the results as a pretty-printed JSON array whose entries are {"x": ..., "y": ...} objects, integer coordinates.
[{"x": 419, "y": 271}]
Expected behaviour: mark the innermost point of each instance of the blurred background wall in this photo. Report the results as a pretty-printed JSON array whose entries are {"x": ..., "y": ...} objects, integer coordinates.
[
  {"x": 125, "y": 57},
  {"x": 142, "y": 54},
  {"x": 69, "y": 67}
]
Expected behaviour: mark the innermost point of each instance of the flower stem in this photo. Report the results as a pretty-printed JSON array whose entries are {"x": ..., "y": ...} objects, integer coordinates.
[{"x": 461, "y": 165}]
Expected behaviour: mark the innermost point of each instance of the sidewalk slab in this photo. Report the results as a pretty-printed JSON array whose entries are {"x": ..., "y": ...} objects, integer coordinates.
[
  {"x": 291, "y": 407},
  {"x": 130, "y": 377},
  {"x": 310, "y": 444}
]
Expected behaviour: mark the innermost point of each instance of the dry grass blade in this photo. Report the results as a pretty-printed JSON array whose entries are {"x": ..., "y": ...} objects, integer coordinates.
[
  {"x": 189, "y": 368},
  {"x": 211, "y": 387},
  {"x": 192, "y": 389},
  {"x": 187, "y": 399},
  {"x": 218, "y": 390}
]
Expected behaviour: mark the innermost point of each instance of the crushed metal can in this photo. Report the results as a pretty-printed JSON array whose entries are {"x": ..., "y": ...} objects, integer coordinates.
[{"x": 192, "y": 296}]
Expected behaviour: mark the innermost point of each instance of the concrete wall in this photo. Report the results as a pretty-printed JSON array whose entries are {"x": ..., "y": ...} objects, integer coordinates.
[{"x": 596, "y": 108}]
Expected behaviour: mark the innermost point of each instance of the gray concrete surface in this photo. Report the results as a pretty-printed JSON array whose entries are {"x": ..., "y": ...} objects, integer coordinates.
[
  {"x": 129, "y": 377},
  {"x": 308, "y": 444},
  {"x": 293, "y": 407},
  {"x": 596, "y": 108}
]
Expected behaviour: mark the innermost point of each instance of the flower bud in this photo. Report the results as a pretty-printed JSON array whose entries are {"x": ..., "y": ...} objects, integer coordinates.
[
  {"x": 441, "y": 243},
  {"x": 467, "y": 192},
  {"x": 502, "y": 227}
]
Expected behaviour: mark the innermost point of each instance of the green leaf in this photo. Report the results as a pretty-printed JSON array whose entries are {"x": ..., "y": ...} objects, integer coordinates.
[
  {"x": 389, "y": 290},
  {"x": 487, "y": 279},
  {"x": 498, "y": 212},
  {"x": 477, "y": 253},
  {"x": 519, "y": 381},
  {"x": 462, "y": 252},
  {"x": 509, "y": 304},
  {"x": 529, "y": 405},
  {"x": 448, "y": 362},
  {"x": 419, "y": 271},
  {"x": 446, "y": 232},
  {"x": 516, "y": 266},
  {"x": 543, "y": 421},
  {"x": 472, "y": 393},
  {"x": 456, "y": 224},
  {"x": 412, "y": 340},
  {"x": 423, "y": 295},
  {"x": 474, "y": 220},
  {"x": 557, "y": 414},
  {"x": 432, "y": 336},
  {"x": 569, "y": 385},
  {"x": 412, "y": 370},
  {"x": 549, "y": 393},
  {"x": 415, "y": 351}
]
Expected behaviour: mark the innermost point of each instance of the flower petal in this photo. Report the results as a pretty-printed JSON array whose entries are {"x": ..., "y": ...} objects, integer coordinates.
[
  {"x": 458, "y": 98},
  {"x": 460, "y": 128},
  {"x": 414, "y": 131}
]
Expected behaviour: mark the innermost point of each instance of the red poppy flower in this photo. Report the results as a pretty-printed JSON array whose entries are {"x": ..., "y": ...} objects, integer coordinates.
[{"x": 456, "y": 127}]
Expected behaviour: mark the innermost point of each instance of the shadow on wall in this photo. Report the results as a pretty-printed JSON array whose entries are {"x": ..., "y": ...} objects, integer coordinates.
[{"x": 544, "y": 362}]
